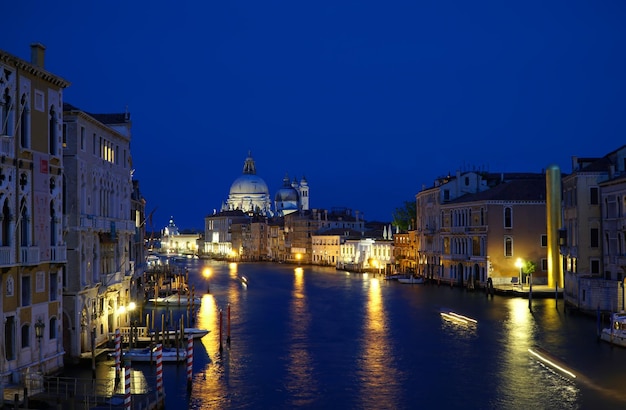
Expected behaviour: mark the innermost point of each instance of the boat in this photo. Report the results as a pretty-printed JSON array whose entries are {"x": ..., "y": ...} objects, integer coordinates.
[
  {"x": 175, "y": 299},
  {"x": 412, "y": 280},
  {"x": 396, "y": 276},
  {"x": 168, "y": 354},
  {"x": 616, "y": 333},
  {"x": 194, "y": 332}
]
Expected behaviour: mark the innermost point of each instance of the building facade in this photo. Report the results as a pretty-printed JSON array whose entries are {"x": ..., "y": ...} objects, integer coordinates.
[
  {"x": 32, "y": 246},
  {"x": 102, "y": 228}
]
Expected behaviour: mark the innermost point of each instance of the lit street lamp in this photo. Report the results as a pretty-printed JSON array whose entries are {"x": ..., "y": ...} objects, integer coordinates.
[
  {"x": 206, "y": 272},
  {"x": 519, "y": 264},
  {"x": 39, "y": 326}
]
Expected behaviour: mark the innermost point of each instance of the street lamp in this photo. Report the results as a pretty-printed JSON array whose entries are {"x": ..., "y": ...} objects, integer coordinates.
[
  {"x": 519, "y": 264},
  {"x": 206, "y": 272},
  {"x": 39, "y": 326}
]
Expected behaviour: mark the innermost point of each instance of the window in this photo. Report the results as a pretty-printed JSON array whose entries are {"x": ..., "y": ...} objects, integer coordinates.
[
  {"x": 9, "y": 338},
  {"x": 82, "y": 138},
  {"x": 544, "y": 240},
  {"x": 52, "y": 329},
  {"x": 52, "y": 132},
  {"x": 64, "y": 135},
  {"x": 446, "y": 195},
  {"x": 595, "y": 266},
  {"x": 508, "y": 217},
  {"x": 54, "y": 286},
  {"x": 594, "y": 197},
  {"x": 40, "y": 283},
  {"x": 544, "y": 265},
  {"x": 508, "y": 246},
  {"x": 25, "y": 336},
  {"x": 10, "y": 286},
  {"x": 25, "y": 290},
  {"x": 39, "y": 101},
  {"x": 594, "y": 237}
]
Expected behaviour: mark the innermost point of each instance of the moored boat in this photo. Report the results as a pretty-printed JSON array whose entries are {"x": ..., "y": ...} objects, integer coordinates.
[
  {"x": 175, "y": 299},
  {"x": 195, "y": 333},
  {"x": 616, "y": 333},
  {"x": 412, "y": 280},
  {"x": 168, "y": 354}
]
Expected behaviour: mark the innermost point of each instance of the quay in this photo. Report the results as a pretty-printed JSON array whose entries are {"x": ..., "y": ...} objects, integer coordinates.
[{"x": 66, "y": 393}]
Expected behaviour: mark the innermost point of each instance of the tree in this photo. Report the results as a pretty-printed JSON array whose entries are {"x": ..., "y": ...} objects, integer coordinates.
[{"x": 404, "y": 217}]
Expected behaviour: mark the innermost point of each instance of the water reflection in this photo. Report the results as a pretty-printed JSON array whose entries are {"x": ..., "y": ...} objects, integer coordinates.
[
  {"x": 377, "y": 372},
  {"x": 300, "y": 382}
]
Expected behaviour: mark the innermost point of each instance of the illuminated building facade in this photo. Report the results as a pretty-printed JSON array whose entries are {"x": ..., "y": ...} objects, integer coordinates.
[
  {"x": 591, "y": 232},
  {"x": 101, "y": 231},
  {"x": 32, "y": 246}
]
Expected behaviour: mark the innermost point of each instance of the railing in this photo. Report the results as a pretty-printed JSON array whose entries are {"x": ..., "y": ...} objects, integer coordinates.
[
  {"x": 7, "y": 256},
  {"x": 30, "y": 255},
  {"x": 109, "y": 279},
  {"x": 7, "y": 148},
  {"x": 98, "y": 393},
  {"x": 58, "y": 253}
]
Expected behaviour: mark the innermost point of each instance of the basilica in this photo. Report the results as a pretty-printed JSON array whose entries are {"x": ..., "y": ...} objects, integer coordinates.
[{"x": 249, "y": 193}]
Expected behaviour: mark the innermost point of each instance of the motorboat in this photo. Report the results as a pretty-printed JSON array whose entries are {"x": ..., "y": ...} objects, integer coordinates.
[
  {"x": 168, "y": 354},
  {"x": 194, "y": 332},
  {"x": 616, "y": 333},
  {"x": 412, "y": 280},
  {"x": 175, "y": 299}
]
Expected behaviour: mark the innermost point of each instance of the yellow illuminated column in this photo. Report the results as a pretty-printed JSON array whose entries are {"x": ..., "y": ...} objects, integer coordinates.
[{"x": 553, "y": 223}]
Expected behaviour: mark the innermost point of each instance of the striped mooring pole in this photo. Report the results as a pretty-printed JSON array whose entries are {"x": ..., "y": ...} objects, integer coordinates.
[
  {"x": 189, "y": 362},
  {"x": 127, "y": 403},
  {"x": 118, "y": 355},
  {"x": 159, "y": 369}
]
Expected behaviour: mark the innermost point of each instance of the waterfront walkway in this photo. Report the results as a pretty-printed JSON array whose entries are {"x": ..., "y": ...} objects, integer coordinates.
[{"x": 64, "y": 393}]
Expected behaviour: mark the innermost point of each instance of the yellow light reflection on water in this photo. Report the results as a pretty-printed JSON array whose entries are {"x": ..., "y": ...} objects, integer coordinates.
[
  {"x": 300, "y": 382},
  {"x": 208, "y": 384},
  {"x": 377, "y": 371}
]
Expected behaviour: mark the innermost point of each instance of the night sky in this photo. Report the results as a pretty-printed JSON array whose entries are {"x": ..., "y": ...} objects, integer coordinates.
[{"x": 370, "y": 101}]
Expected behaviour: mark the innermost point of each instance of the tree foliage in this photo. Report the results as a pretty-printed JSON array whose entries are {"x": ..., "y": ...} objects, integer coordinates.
[{"x": 404, "y": 216}]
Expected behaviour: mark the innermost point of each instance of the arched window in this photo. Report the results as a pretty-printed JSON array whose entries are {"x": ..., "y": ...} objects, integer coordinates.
[
  {"x": 53, "y": 225},
  {"x": 24, "y": 224},
  {"x": 24, "y": 122},
  {"x": 508, "y": 246},
  {"x": 508, "y": 217},
  {"x": 6, "y": 228}
]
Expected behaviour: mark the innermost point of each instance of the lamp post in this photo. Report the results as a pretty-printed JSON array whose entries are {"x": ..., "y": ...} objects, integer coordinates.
[
  {"x": 519, "y": 264},
  {"x": 206, "y": 272},
  {"x": 39, "y": 326}
]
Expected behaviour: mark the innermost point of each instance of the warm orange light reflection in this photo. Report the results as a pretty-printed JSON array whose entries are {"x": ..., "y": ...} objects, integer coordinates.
[
  {"x": 207, "y": 272},
  {"x": 379, "y": 373},
  {"x": 300, "y": 363}
]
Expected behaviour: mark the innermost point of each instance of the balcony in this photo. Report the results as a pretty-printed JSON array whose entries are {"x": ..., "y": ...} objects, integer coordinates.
[
  {"x": 30, "y": 255},
  {"x": 58, "y": 254},
  {"x": 7, "y": 256},
  {"x": 109, "y": 279},
  {"x": 7, "y": 148}
]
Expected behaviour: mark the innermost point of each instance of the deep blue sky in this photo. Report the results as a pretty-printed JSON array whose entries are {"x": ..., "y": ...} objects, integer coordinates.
[{"x": 369, "y": 100}]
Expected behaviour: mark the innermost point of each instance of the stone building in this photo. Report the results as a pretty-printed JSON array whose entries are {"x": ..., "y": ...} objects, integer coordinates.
[
  {"x": 101, "y": 228},
  {"x": 32, "y": 244}
]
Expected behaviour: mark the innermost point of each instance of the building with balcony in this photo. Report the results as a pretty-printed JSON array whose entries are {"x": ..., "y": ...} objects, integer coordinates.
[
  {"x": 591, "y": 193},
  {"x": 32, "y": 247},
  {"x": 102, "y": 227}
]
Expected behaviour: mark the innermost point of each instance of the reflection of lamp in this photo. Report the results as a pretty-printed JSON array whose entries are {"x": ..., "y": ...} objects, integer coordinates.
[
  {"x": 298, "y": 257},
  {"x": 39, "y": 326}
]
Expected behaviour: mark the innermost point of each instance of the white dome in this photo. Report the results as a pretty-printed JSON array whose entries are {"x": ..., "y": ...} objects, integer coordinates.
[{"x": 249, "y": 184}]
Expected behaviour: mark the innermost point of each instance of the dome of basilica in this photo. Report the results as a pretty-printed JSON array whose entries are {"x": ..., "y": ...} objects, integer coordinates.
[{"x": 249, "y": 184}]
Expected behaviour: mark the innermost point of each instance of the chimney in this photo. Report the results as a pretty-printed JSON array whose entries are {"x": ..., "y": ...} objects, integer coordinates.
[{"x": 37, "y": 53}]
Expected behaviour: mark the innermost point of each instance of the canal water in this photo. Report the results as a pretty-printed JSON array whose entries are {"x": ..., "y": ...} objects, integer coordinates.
[{"x": 318, "y": 338}]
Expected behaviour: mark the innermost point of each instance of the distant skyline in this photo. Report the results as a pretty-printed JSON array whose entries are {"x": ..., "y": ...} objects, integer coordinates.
[{"x": 369, "y": 101}]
